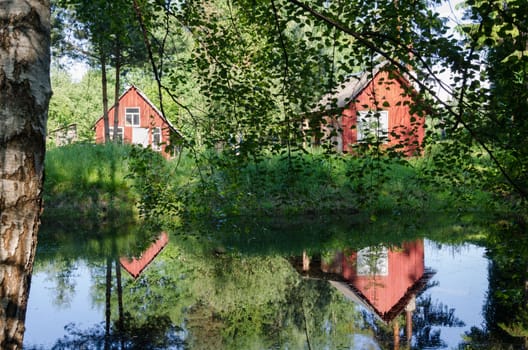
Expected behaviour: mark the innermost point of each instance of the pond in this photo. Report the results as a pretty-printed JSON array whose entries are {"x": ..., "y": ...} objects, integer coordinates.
[{"x": 345, "y": 282}]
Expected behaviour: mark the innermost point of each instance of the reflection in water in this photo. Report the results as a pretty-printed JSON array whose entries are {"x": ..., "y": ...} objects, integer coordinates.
[
  {"x": 122, "y": 325},
  {"x": 135, "y": 266},
  {"x": 386, "y": 282},
  {"x": 203, "y": 293}
]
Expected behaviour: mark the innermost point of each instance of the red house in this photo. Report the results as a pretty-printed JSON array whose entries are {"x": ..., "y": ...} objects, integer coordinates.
[
  {"x": 383, "y": 280},
  {"x": 374, "y": 105},
  {"x": 139, "y": 122}
]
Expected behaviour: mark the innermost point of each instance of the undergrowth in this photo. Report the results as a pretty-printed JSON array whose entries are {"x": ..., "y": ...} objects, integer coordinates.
[{"x": 87, "y": 179}]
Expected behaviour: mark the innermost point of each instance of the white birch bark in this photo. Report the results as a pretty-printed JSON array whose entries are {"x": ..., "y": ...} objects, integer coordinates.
[{"x": 24, "y": 96}]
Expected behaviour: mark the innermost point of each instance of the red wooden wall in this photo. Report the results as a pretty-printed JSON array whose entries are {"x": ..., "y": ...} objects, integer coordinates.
[
  {"x": 380, "y": 91},
  {"x": 406, "y": 266},
  {"x": 149, "y": 118}
]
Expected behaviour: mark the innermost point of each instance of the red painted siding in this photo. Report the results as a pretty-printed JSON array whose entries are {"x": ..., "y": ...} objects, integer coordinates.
[
  {"x": 149, "y": 118},
  {"x": 405, "y": 268},
  {"x": 135, "y": 266},
  {"x": 385, "y": 93}
]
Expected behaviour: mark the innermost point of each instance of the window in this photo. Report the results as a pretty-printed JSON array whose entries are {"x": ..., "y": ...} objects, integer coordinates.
[
  {"x": 119, "y": 133},
  {"x": 132, "y": 116},
  {"x": 156, "y": 139},
  {"x": 373, "y": 261},
  {"x": 373, "y": 125}
]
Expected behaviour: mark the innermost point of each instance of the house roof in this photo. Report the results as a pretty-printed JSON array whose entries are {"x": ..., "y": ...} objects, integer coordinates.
[
  {"x": 350, "y": 88},
  {"x": 354, "y": 294},
  {"x": 149, "y": 102},
  {"x": 135, "y": 266}
]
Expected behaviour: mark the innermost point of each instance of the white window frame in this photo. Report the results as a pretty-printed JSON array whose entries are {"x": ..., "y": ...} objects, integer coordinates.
[
  {"x": 373, "y": 261},
  {"x": 157, "y": 131},
  {"x": 120, "y": 132},
  {"x": 373, "y": 123},
  {"x": 131, "y": 114}
]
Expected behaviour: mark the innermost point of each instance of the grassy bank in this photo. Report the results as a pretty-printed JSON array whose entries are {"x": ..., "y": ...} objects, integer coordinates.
[
  {"x": 88, "y": 181},
  {"x": 315, "y": 183},
  {"x": 97, "y": 180}
]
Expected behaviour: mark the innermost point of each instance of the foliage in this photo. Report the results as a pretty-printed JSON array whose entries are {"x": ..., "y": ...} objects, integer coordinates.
[
  {"x": 240, "y": 78},
  {"x": 508, "y": 74},
  {"x": 97, "y": 180},
  {"x": 151, "y": 176},
  {"x": 85, "y": 176},
  {"x": 105, "y": 33},
  {"x": 74, "y": 103},
  {"x": 315, "y": 184}
]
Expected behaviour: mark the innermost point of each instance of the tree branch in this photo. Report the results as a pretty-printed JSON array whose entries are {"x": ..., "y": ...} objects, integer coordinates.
[{"x": 457, "y": 115}]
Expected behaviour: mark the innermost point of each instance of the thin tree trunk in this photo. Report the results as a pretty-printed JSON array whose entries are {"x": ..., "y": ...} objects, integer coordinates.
[
  {"x": 24, "y": 97},
  {"x": 116, "y": 90},
  {"x": 119, "y": 303},
  {"x": 108, "y": 304},
  {"x": 105, "y": 99}
]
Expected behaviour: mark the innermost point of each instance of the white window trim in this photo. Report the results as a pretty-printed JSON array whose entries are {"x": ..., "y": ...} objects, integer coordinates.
[
  {"x": 381, "y": 120},
  {"x": 120, "y": 132},
  {"x": 155, "y": 146},
  {"x": 127, "y": 123},
  {"x": 373, "y": 261}
]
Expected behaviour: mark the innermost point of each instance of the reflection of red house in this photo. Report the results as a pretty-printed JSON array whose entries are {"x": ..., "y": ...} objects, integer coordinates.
[
  {"x": 136, "y": 266},
  {"x": 139, "y": 122},
  {"x": 386, "y": 279},
  {"x": 374, "y": 103},
  {"x": 383, "y": 280}
]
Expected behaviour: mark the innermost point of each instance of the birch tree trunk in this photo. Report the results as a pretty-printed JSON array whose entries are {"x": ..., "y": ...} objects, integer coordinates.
[{"x": 24, "y": 96}]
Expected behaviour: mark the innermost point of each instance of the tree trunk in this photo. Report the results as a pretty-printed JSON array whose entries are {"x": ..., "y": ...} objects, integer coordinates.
[
  {"x": 24, "y": 97},
  {"x": 120, "y": 308},
  {"x": 105, "y": 98},
  {"x": 108, "y": 296},
  {"x": 116, "y": 90}
]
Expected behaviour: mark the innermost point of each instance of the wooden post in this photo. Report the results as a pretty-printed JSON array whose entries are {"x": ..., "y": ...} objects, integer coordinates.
[{"x": 305, "y": 261}]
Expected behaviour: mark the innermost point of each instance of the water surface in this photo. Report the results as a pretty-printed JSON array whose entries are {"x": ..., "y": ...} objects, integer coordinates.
[{"x": 315, "y": 283}]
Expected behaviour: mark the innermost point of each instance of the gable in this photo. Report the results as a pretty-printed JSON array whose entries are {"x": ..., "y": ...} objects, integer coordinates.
[
  {"x": 377, "y": 103},
  {"x": 150, "y": 115},
  {"x": 357, "y": 85}
]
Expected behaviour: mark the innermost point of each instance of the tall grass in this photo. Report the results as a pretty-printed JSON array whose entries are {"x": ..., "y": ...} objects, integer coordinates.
[
  {"x": 317, "y": 183},
  {"x": 85, "y": 177}
]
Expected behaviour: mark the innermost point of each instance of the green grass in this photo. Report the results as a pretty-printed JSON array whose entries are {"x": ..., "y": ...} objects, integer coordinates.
[
  {"x": 87, "y": 178},
  {"x": 316, "y": 183}
]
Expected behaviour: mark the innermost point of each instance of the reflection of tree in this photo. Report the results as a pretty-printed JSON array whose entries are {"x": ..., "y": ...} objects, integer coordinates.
[
  {"x": 244, "y": 302},
  {"x": 326, "y": 319},
  {"x": 108, "y": 294},
  {"x": 431, "y": 314},
  {"x": 62, "y": 273},
  {"x": 155, "y": 332},
  {"x": 138, "y": 329},
  {"x": 232, "y": 301},
  {"x": 60, "y": 252},
  {"x": 427, "y": 316},
  {"x": 505, "y": 311},
  {"x": 120, "y": 310}
]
